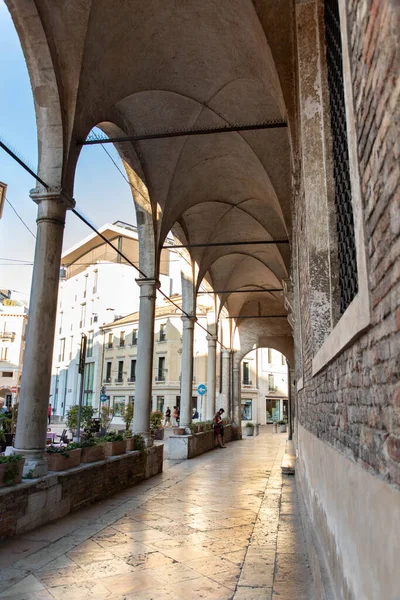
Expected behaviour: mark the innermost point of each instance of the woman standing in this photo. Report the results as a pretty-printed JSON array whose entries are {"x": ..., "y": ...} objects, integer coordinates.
[
  {"x": 218, "y": 427},
  {"x": 175, "y": 416}
]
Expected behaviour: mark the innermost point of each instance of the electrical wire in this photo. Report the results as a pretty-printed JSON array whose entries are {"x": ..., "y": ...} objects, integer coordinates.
[
  {"x": 108, "y": 242},
  {"x": 21, "y": 219}
]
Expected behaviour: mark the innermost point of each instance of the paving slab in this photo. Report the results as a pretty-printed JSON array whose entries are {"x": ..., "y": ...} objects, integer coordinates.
[{"x": 222, "y": 526}]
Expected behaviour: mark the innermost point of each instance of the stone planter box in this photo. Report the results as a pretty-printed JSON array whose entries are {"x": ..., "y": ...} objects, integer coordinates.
[
  {"x": 179, "y": 431},
  {"x": 115, "y": 448},
  {"x": 92, "y": 454},
  {"x": 282, "y": 428},
  {"x": 35, "y": 502},
  {"x": 249, "y": 431},
  {"x": 130, "y": 444},
  {"x": 59, "y": 462},
  {"x": 181, "y": 447},
  {"x": 5, "y": 467}
]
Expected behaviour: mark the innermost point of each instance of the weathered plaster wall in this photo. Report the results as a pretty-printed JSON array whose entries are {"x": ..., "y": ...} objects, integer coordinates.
[{"x": 358, "y": 525}]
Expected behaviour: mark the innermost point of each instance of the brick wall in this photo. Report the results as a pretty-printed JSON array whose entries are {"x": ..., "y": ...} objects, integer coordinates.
[
  {"x": 354, "y": 403},
  {"x": 34, "y": 503}
]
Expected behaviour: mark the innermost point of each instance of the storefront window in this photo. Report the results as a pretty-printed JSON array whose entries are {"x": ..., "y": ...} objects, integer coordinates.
[
  {"x": 88, "y": 390},
  {"x": 273, "y": 410},
  {"x": 160, "y": 403},
  {"x": 118, "y": 403},
  {"x": 247, "y": 410}
]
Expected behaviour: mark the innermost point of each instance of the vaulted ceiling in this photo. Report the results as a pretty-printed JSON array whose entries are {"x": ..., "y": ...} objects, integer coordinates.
[{"x": 147, "y": 65}]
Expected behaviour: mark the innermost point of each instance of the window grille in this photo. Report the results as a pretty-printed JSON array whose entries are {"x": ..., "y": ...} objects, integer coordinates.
[{"x": 344, "y": 211}]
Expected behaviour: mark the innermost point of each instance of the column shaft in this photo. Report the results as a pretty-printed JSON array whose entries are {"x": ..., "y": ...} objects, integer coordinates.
[
  {"x": 187, "y": 371},
  {"x": 144, "y": 367},
  {"x": 211, "y": 376},
  {"x": 30, "y": 438},
  {"x": 226, "y": 356},
  {"x": 236, "y": 400}
]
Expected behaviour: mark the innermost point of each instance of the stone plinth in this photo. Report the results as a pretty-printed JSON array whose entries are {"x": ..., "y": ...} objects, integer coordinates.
[
  {"x": 39, "y": 501},
  {"x": 181, "y": 447}
]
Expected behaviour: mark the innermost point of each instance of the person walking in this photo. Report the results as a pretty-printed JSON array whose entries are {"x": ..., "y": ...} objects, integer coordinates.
[
  {"x": 175, "y": 416},
  {"x": 49, "y": 413},
  {"x": 218, "y": 427},
  {"x": 167, "y": 421}
]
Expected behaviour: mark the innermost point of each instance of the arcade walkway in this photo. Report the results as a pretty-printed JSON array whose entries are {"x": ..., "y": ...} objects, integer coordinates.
[{"x": 224, "y": 525}]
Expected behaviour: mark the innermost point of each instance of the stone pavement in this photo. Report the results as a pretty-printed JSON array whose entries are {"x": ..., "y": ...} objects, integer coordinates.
[{"x": 224, "y": 525}]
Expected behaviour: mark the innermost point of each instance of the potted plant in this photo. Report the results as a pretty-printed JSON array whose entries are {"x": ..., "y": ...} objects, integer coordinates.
[
  {"x": 114, "y": 444},
  {"x": 127, "y": 415},
  {"x": 135, "y": 442},
  {"x": 6, "y": 436},
  {"x": 60, "y": 458},
  {"x": 194, "y": 428},
  {"x": 106, "y": 417},
  {"x": 86, "y": 418},
  {"x": 11, "y": 467},
  {"x": 155, "y": 425},
  {"x": 249, "y": 429},
  {"x": 282, "y": 426},
  {"x": 207, "y": 425},
  {"x": 92, "y": 450}
]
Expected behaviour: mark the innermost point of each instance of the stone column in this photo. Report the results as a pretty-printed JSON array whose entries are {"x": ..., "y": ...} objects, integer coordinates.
[
  {"x": 226, "y": 358},
  {"x": 236, "y": 399},
  {"x": 187, "y": 371},
  {"x": 144, "y": 365},
  {"x": 211, "y": 373},
  {"x": 30, "y": 438}
]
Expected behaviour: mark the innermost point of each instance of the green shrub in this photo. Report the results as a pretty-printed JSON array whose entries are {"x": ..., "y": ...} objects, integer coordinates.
[
  {"x": 155, "y": 420},
  {"x": 64, "y": 450},
  {"x": 12, "y": 471},
  {"x": 86, "y": 417},
  {"x": 139, "y": 442},
  {"x": 112, "y": 437},
  {"x": 127, "y": 415}
]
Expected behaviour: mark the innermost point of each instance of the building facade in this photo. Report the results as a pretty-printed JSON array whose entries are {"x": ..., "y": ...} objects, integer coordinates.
[
  {"x": 96, "y": 286},
  {"x": 13, "y": 324}
]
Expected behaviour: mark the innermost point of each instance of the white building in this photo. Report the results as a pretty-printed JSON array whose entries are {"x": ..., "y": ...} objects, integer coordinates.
[
  {"x": 96, "y": 287},
  {"x": 264, "y": 386},
  {"x": 13, "y": 322}
]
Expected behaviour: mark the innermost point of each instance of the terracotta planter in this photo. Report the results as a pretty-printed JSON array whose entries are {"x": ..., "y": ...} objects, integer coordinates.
[
  {"x": 159, "y": 434},
  {"x": 130, "y": 444},
  {"x": 5, "y": 467},
  {"x": 195, "y": 429},
  {"x": 179, "y": 431},
  {"x": 200, "y": 428},
  {"x": 115, "y": 448},
  {"x": 92, "y": 454},
  {"x": 59, "y": 462}
]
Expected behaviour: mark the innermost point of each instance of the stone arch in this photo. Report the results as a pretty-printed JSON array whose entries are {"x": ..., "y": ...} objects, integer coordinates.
[{"x": 51, "y": 126}]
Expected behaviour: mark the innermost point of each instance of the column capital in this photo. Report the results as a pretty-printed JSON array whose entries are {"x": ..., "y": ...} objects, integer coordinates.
[
  {"x": 52, "y": 194},
  {"x": 212, "y": 339},
  {"x": 188, "y": 321},
  {"x": 148, "y": 287},
  {"x": 226, "y": 352}
]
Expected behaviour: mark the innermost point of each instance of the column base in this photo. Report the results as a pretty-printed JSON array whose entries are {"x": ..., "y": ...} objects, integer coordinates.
[
  {"x": 35, "y": 462},
  {"x": 146, "y": 435}
]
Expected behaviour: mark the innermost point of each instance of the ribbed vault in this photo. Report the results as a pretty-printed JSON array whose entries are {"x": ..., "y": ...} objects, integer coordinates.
[{"x": 151, "y": 65}]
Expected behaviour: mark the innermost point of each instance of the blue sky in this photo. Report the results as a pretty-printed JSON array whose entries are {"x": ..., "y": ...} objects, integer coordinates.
[{"x": 100, "y": 192}]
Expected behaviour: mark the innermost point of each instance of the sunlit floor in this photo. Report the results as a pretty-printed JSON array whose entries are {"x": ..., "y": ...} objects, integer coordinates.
[{"x": 220, "y": 526}]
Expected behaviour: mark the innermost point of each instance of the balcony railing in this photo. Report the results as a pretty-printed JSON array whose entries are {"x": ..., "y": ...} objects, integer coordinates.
[
  {"x": 7, "y": 335},
  {"x": 109, "y": 345},
  {"x": 134, "y": 341},
  {"x": 160, "y": 378},
  {"x": 107, "y": 380},
  {"x": 132, "y": 379},
  {"x": 247, "y": 382},
  {"x": 119, "y": 379},
  {"x": 121, "y": 343},
  {"x": 162, "y": 337}
]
